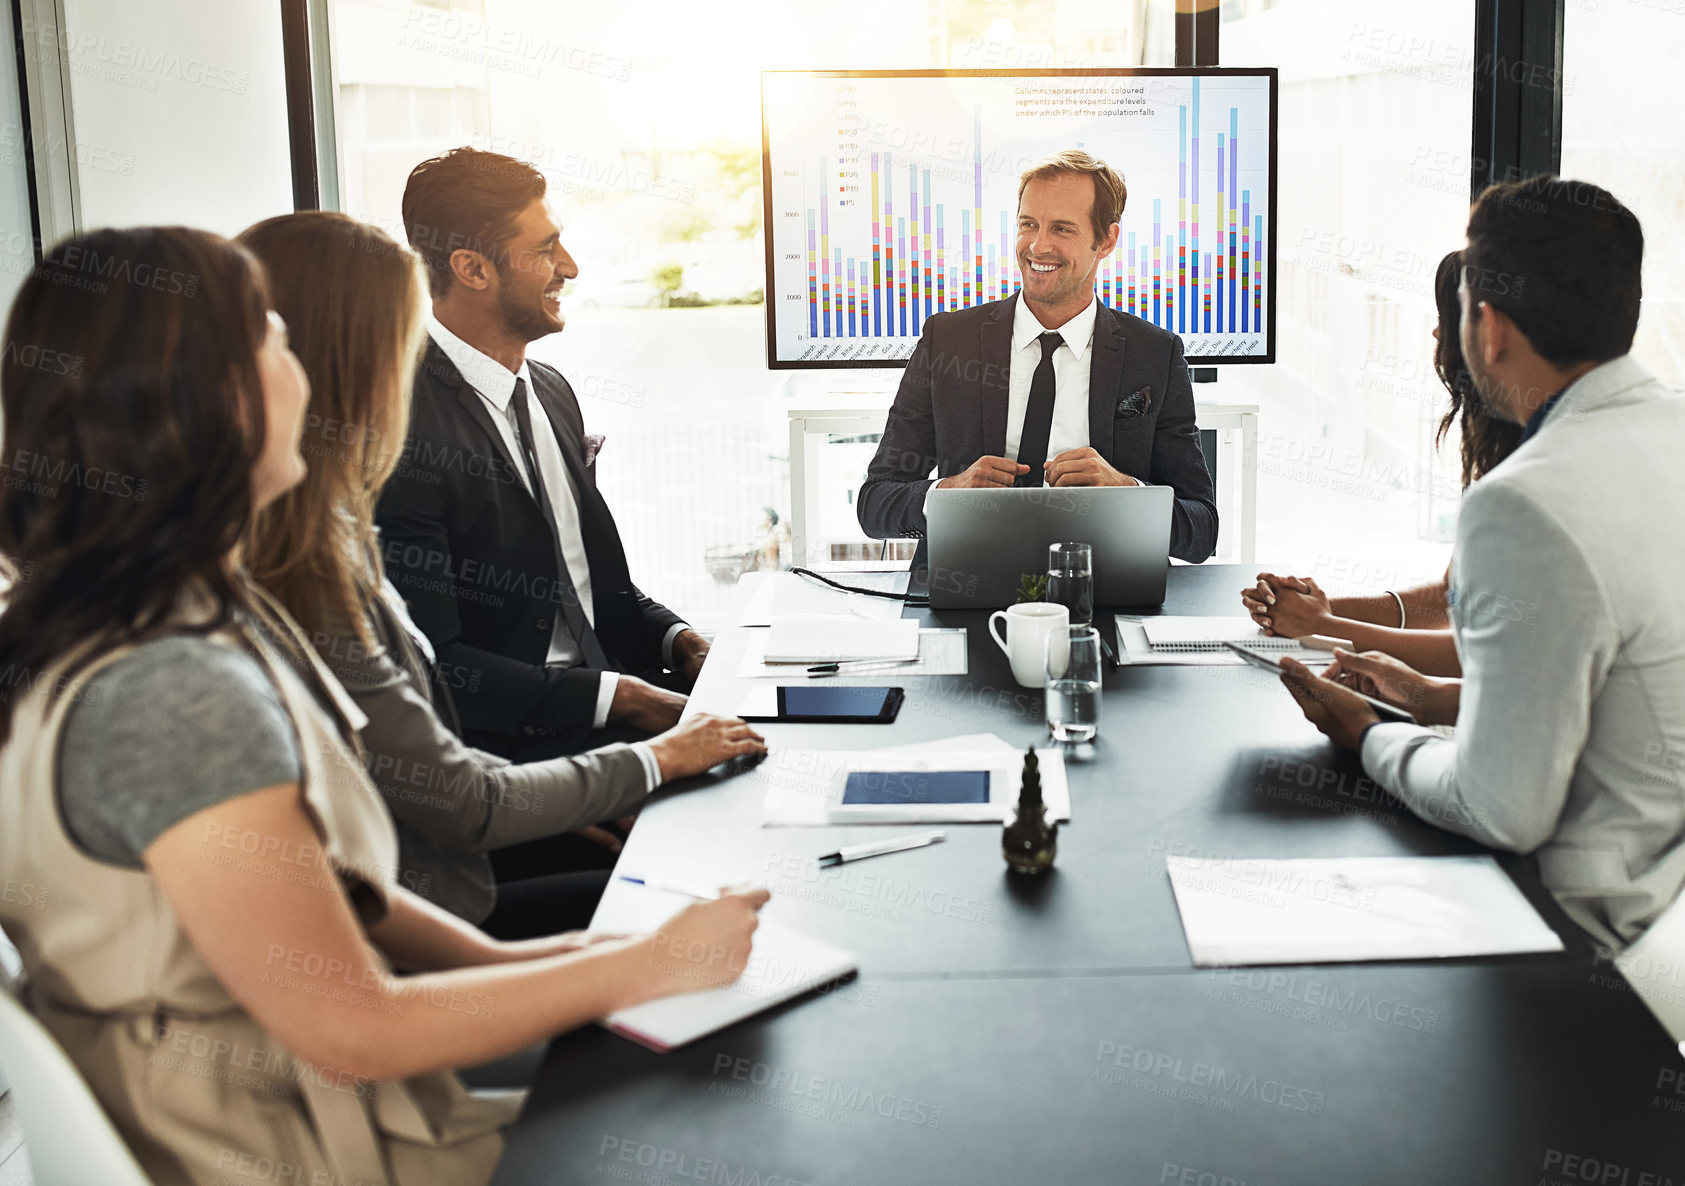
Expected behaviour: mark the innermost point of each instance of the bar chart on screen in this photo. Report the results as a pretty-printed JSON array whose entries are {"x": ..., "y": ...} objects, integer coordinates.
[{"x": 892, "y": 196}]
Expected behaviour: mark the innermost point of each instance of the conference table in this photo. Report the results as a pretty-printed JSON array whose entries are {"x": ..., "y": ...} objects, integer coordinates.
[{"x": 1055, "y": 1029}]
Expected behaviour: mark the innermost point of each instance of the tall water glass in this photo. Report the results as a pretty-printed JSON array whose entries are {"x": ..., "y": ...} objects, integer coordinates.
[
  {"x": 1073, "y": 683},
  {"x": 1070, "y": 580}
]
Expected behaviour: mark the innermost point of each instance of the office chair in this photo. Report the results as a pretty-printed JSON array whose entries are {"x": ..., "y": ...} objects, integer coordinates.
[{"x": 68, "y": 1137}]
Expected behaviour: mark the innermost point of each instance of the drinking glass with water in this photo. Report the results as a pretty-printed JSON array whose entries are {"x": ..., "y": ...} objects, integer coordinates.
[
  {"x": 1073, "y": 683},
  {"x": 1070, "y": 580}
]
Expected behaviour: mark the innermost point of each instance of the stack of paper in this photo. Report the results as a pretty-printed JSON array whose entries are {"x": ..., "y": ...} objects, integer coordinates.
[
  {"x": 1312, "y": 911},
  {"x": 832, "y": 640},
  {"x": 940, "y": 652},
  {"x": 807, "y": 787},
  {"x": 784, "y": 964}
]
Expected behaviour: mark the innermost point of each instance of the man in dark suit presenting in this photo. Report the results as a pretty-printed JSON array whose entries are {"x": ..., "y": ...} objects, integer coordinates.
[
  {"x": 492, "y": 528},
  {"x": 1048, "y": 386}
]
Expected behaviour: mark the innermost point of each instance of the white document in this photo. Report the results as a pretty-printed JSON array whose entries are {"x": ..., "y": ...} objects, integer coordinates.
[
  {"x": 1654, "y": 964},
  {"x": 785, "y": 594},
  {"x": 806, "y": 786},
  {"x": 783, "y": 964},
  {"x": 941, "y": 652},
  {"x": 1344, "y": 909},
  {"x": 840, "y": 639},
  {"x": 1134, "y": 649}
]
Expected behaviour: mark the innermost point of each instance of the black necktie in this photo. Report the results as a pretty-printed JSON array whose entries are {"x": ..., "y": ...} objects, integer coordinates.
[
  {"x": 1038, "y": 416},
  {"x": 590, "y": 648}
]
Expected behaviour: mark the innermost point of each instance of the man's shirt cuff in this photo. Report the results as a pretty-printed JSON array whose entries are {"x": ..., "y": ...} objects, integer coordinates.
[
  {"x": 605, "y": 698},
  {"x": 673, "y": 631},
  {"x": 652, "y": 768}
]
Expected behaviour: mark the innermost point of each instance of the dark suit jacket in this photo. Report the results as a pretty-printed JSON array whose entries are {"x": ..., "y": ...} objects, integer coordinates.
[
  {"x": 469, "y": 550},
  {"x": 951, "y": 410}
]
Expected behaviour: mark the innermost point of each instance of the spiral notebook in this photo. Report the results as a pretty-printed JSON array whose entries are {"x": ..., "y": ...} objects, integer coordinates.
[
  {"x": 1169, "y": 641},
  {"x": 1175, "y": 635}
]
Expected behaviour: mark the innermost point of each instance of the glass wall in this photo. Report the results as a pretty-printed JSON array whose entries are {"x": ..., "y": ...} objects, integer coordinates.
[
  {"x": 1615, "y": 132},
  {"x": 1373, "y": 177},
  {"x": 180, "y": 112},
  {"x": 646, "y": 119},
  {"x": 17, "y": 252}
]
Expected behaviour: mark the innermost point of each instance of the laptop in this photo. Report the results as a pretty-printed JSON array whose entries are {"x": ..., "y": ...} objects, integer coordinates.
[{"x": 983, "y": 541}]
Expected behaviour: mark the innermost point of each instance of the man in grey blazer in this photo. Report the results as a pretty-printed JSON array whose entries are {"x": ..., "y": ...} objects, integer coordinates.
[
  {"x": 1564, "y": 598},
  {"x": 1048, "y": 386}
]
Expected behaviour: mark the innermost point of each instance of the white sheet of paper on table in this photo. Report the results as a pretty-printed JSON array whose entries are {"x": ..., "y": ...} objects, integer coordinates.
[
  {"x": 805, "y": 786},
  {"x": 784, "y": 594},
  {"x": 1344, "y": 909},
  {"x": 941, "y": 652}
]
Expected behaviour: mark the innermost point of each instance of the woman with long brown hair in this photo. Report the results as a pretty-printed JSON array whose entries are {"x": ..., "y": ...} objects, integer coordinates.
[
  {"x": 353, "y": 299},
  {"x": 214, "y": 922},
  {"x": 1411, "y": 625}
]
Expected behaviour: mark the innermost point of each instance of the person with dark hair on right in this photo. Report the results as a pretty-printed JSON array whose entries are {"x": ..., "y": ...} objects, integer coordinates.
[{"x": 1571, "y": 731}]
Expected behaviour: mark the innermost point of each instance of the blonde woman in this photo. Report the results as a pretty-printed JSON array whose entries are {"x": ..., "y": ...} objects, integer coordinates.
[{"x": 354, "y": 302}]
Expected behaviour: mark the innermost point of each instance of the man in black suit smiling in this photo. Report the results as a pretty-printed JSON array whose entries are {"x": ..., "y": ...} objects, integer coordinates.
[
  {"x": 492, "y": 528},
  {"x": 1048, "y": 386}
]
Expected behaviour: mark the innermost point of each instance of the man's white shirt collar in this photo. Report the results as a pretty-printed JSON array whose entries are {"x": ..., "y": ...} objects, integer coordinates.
[
  {"x": 1078, "y": 332},
  {"x": 494, "y": 381}
]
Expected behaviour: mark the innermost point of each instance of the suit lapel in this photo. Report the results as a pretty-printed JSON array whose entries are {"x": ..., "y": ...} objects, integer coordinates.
[
  {"x": 573, "y": 449},
  {"x": 992, "y": 389},
  {"x": 603, "y": 549},
  {"x": 440, "y": 367},
  {"x": 1105, "y": 379}
]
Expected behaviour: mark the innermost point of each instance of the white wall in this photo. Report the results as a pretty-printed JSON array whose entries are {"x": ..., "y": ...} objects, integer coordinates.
[{"x": 180, "y": 113}]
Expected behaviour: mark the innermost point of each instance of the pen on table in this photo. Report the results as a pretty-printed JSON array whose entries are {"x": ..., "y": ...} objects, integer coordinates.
[
  {"x": 878, "y": 848},
  {"x": 675, "y": 887},
  {"x": 855, "y": 665}
]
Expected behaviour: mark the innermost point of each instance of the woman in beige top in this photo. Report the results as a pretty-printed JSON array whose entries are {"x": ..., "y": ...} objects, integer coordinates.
[
  {"x": 218, "y": 942},
  {"x": 354, "y": 301}
]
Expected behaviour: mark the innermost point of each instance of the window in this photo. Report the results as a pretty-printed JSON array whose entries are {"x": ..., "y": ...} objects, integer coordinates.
[
  {"x": 17, "y": 254},
  {"x": 169, "y": 101},
  {"x": 1617, "y": 66},
  {"x": 646, "y": 119},
  {"x": 1373, "y": 190}
]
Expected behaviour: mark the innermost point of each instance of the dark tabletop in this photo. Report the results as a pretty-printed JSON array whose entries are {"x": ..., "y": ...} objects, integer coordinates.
[{"x": 1056, "y": 1031}]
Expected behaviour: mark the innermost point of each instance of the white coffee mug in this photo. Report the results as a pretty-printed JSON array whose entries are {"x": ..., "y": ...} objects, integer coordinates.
[{"x": 1025, "y": 644}]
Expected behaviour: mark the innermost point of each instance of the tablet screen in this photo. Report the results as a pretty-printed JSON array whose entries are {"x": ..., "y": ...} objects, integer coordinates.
[
  {"x": 884, "y": 787},
  {"x": 833, "y": 701}
]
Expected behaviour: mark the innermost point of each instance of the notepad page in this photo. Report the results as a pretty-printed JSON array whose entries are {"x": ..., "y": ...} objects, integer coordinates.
[
  {"x": 784, "y": 964},
  {"x": 1171, "y": 633}
]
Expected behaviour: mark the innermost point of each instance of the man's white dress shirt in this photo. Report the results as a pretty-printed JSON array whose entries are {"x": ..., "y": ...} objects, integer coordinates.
[
  {"x": 495, "y": 384},
  {"x": 1071, "y": 365}
]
